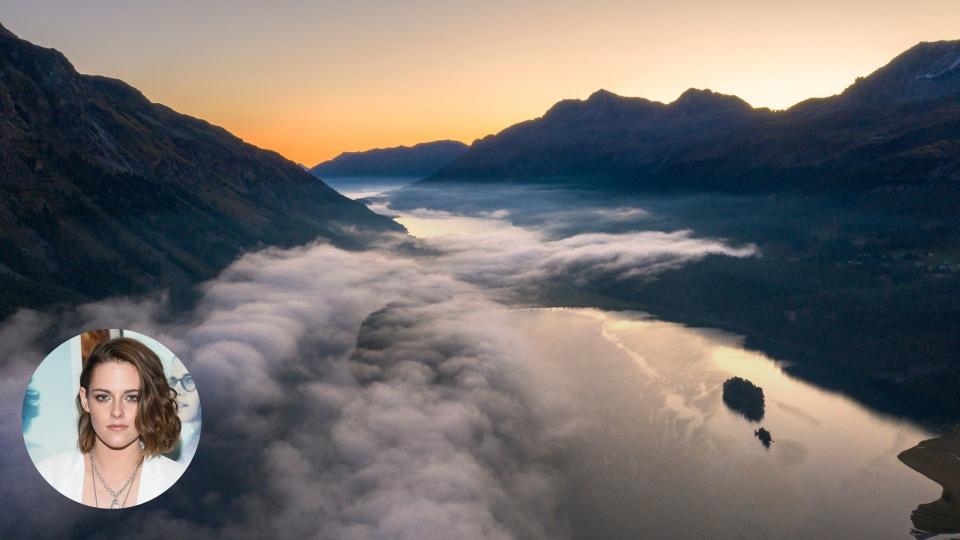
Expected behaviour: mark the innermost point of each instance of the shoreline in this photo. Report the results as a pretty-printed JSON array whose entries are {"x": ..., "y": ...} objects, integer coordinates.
[{"x": 939, "y": 460}]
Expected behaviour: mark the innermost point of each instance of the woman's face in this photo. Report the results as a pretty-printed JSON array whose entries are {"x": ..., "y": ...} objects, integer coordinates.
[
  {"x": 187, "y": 400},
  {"x": 112, "y": 402}
]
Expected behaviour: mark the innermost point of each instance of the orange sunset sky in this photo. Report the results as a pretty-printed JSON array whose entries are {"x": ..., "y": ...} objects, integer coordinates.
[{"x": 313, "y": 79}]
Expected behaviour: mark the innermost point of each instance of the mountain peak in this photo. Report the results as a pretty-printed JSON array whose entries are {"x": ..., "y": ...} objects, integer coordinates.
[
  {"x": 603, "y": 95},
  {"x": 6, "y": 33},
  {"x": 929, "y": 69},
  {"x": 706, "y": 100},
  {"x": 934, "y": 58}
]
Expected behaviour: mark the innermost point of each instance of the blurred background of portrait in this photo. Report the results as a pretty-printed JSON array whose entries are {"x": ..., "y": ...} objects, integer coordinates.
[
  {"x": 31, "y": 408},
  {"x": 189, "y": 402},
  {"x": 50, "y": 415}
]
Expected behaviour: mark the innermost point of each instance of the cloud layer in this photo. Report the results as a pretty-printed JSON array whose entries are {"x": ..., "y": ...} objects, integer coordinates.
[
  {"x": 491, "y": 251},
  {"x": 349, "y": 394}
]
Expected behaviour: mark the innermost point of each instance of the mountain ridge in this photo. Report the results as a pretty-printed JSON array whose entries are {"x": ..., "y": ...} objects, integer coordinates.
[
  {"x": 104, "y": 192},
  {"x": 927, "y": 70},
  {"x": 893, "y": 125},
  {"x": 417, "y": 161}
]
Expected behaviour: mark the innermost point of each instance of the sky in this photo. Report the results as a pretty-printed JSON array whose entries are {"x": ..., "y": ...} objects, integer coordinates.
[{"x": 313, "y": 79}]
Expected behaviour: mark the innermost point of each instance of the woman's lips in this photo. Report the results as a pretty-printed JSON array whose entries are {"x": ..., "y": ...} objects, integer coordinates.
[{"x": 117, "y": 427}]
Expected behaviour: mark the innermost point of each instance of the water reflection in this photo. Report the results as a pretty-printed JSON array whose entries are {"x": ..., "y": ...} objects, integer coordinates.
[
  {"x": 655, "y": 452},
  {"x": 652, "y": 451},
  {"x": 360, "y": 188}
]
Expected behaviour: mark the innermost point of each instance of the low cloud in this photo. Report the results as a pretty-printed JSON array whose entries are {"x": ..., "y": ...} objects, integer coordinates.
[
  {"x": 346, "y": 395},
  {"x": 350, "y": 394},
  {"x": 496, "y": 253}
]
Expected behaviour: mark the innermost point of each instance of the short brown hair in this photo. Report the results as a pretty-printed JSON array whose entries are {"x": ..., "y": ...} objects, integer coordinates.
[{"x": 157, "y": 421}]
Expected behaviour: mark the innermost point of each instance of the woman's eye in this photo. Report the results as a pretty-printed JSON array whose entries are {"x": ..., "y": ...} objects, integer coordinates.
[
  {"x": 133, "y": 398},
  {"x": 101, "y": 397}
]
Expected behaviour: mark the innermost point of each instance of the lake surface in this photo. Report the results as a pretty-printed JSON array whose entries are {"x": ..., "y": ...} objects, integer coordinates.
[
  {"x": 359, "y": 188},
  {"x": 657, "y": 452},
  {"x": 649, "y": 449}
]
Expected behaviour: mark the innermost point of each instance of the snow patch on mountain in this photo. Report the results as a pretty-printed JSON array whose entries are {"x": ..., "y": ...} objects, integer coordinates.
[{"x": 955, "y": 63}]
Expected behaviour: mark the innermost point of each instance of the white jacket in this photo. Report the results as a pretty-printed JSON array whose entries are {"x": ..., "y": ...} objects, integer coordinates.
[{"x": 64, "y": 471}]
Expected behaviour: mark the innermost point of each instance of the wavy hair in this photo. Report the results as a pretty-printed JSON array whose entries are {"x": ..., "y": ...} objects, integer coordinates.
[{"x": 157, "y": 421}]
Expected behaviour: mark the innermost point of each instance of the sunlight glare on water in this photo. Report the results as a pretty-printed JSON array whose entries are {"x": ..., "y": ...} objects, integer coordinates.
[{"x": 652, "y": 421}]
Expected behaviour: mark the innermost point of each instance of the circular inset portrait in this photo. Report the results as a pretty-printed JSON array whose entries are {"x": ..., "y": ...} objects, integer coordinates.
[{"x": 111, "y": 418}]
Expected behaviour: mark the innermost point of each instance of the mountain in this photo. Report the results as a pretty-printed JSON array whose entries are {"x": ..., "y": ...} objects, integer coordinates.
[
  {"x": 415, "y": 161},
  {"x": 851, "y": 199},
  {"x": 107, "y": 193},
  {"x": 925, "y": 71},
  {"x": 604, "y": 135},
  {"x": 897, "y": 127}
]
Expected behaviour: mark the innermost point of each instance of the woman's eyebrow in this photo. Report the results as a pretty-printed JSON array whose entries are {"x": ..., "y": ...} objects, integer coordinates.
[{"x": 111, "y": 393}]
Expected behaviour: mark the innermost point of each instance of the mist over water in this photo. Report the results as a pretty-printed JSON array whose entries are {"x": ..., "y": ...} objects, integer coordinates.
[{"x": 399, "y": 393}]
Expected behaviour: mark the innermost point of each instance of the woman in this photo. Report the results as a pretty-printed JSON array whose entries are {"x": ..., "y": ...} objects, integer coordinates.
[
  {"x": 189, "y": 412},
  {"x": 128, "y": 417}
]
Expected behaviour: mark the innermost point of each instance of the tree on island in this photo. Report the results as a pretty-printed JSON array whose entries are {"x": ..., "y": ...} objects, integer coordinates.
[{"x": 744, "y": 397}]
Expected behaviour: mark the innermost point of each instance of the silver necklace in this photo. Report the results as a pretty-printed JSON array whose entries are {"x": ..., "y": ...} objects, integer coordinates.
[
  {"x": 115, "y": 494},
  {"x": 96, "y": 501}
]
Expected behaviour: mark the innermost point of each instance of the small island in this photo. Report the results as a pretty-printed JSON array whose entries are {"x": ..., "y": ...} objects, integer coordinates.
[
  {"x": 764, "y": 437},
  {"x": 744, "y": 397}
]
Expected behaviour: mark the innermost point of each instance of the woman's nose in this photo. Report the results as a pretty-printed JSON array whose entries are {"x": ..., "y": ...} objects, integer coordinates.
[{"x": 116, "y": 411}]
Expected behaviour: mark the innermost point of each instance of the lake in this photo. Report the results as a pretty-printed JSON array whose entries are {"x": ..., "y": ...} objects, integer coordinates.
[{"x": 649, "y": 449}]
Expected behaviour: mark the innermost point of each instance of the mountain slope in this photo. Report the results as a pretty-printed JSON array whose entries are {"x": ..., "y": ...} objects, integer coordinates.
[
  {"x": 603, "y": 135},
  {"x": 899, "y": 126},
  {"x": 104, "y": 192},
  {"x": 925, "y": 71},
  {"x": 408, "y": 161}
]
